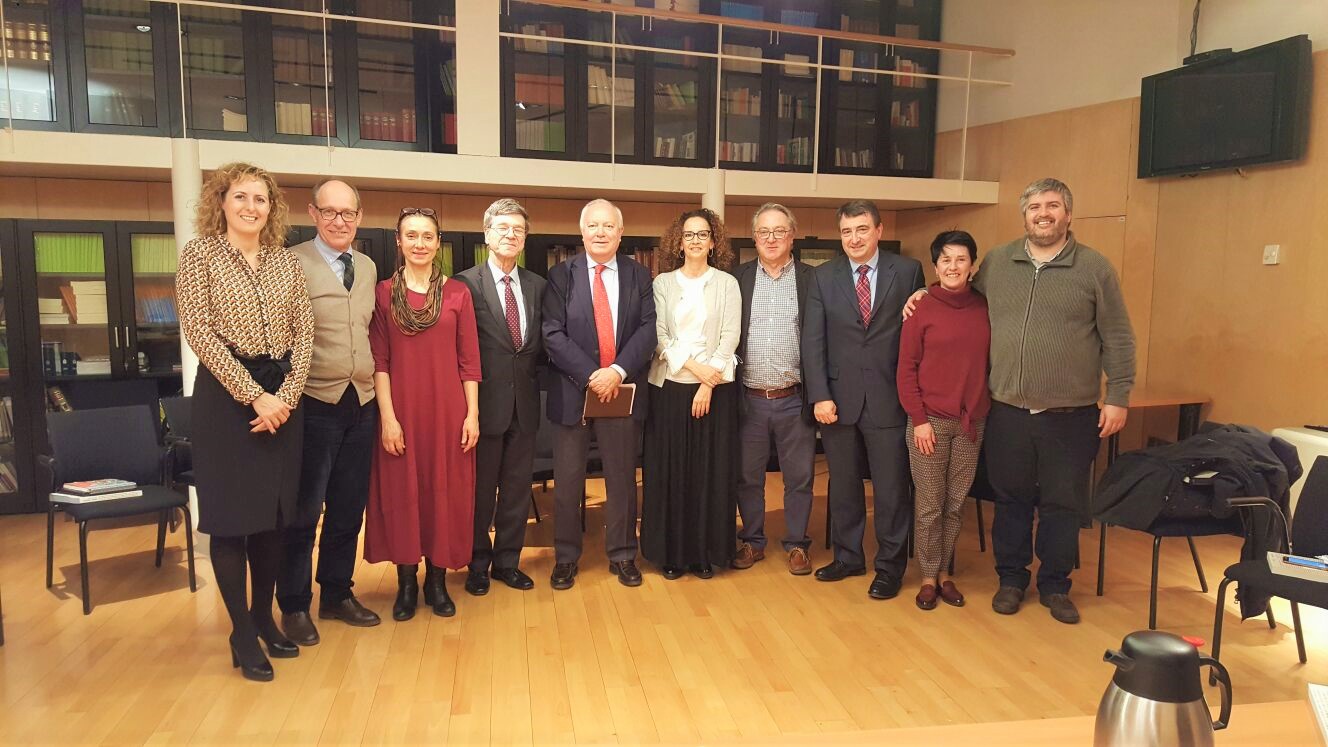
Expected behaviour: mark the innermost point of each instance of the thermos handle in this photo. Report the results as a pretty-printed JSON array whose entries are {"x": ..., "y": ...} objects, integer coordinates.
[{"x": 1220, "y": 672}]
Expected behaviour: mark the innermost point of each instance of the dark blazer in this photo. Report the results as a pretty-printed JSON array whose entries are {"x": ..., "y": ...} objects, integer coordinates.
[
  {"x": 843, "y": 362},
  {"x": 510, "y": 375},
  {"x": 746, "y": 274},
  {"x": 573, "y": 345}
]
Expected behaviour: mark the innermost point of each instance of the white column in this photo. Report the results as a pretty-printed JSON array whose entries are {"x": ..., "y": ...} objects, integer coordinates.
[
  {"x": 479, "y": 90},
  {"x": 713, "y": 199},
  {"x": 186, "y": 186}
]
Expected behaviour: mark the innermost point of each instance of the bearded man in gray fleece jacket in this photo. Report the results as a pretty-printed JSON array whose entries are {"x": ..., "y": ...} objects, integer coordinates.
[{"x": 1058, "y": 322}]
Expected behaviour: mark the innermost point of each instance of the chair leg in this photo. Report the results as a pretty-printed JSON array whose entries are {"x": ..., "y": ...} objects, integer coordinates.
[
  {"x": 1217, "y": 625},
  {"x": 1101, "y": 558},
  {"x": 1268, "y": 613},
  {"x": 1198, "y": 565},
  {"x": 982, "y": 527},
  {"x": 50, "y": 542},
  {"x": 1152, "y": 586},
  {"x": 1300, "y": 636},
  {"x": 83, "y": 565},
  {"x": 189, "y": 545},
  {"x": 161, "y": 535}
]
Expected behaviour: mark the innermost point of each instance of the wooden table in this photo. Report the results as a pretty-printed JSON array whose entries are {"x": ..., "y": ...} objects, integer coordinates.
[
  {"x": 1190, "y": 407},
  {"x": 1284, "y": 724}
]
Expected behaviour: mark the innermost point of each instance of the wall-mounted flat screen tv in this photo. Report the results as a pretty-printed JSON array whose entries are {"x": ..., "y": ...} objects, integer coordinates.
[{"x": 1233, "y": 110}]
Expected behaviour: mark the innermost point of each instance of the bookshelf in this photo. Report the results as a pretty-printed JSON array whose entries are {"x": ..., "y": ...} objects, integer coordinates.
[{"x": 34, "y": 49}]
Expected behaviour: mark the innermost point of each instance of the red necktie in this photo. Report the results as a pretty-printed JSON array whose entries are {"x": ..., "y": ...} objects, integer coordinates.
[
  {"x": 513, "y": 316},
  {"x": 603, "y": 319},
  {"x": 864, "y": 295}
]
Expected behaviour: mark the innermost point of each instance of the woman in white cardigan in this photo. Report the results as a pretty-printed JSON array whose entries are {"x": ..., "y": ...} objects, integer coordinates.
[{"x": 690, "y": 469}]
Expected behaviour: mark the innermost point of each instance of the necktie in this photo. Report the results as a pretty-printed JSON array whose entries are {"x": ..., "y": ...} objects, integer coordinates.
[
  {"x": 348, "y": 274},
  {"x": 864, "y": 295},
  {"x": 603, "y": 319},
  {"x": 513, "y": 316}
]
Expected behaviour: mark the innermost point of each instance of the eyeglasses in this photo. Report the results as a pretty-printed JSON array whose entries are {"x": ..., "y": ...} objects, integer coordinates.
[
  {"x": 779, "y": 234},
  {"x": 861, "y": 232},
  {"x": 696, "y": 235},
  {"x": 329, "y": 214},
  {"x": 516, "y": 231},
  {"x": 426, "y": 212}
]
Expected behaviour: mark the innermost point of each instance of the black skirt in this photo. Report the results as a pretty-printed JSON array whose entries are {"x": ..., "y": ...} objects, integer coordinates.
[
  {"x": 690, "y": 477},
  {"x": 246, "y": 481}
]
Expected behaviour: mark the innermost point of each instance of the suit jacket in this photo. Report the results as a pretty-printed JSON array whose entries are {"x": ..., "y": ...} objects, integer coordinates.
[
  {"x": 511, "y": 381},
  {"x": 846, "y": 363},
  {"x": 573, "y": 345},
  {"x": 746, "y": 274}
]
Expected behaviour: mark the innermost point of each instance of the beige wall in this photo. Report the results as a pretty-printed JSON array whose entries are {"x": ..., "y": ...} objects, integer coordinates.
[{"x": 1208, "y": 317}]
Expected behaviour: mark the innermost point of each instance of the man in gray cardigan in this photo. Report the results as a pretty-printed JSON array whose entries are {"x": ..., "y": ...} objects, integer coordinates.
[
  {"x": 341, "y": 421},
  {"x": 1058, "y": 322}
]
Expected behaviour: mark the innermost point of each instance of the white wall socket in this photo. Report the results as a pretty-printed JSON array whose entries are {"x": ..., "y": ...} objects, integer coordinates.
[{"x": 1272, "y": 254}]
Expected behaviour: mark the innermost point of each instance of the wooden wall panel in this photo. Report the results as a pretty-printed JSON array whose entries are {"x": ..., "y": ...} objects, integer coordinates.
[
  {"x": 1097, "y": 165},
  {"x": 90, "y": 199},
  {"x": 18, "y": 197}
]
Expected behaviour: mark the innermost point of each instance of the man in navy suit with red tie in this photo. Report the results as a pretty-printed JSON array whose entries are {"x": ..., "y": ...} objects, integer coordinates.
[{"x": 599, "y": 331}]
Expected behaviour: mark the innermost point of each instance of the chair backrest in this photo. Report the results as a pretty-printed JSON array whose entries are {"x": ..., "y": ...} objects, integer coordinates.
[
  {"x": 1309, "y": 526},
  {"x": 115, "y": 442},
  {"x": 179, "y": 416}
]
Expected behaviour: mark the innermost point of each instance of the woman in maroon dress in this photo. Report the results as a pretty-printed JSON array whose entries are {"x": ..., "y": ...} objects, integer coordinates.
[{"x": 426, "y": 375}]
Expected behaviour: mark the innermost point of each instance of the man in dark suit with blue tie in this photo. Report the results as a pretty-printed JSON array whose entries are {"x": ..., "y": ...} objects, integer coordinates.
[
  {"x": 850, "y": 351},
  {"x": 508, "y": 316},
  {"x": 599, "y": 331}
]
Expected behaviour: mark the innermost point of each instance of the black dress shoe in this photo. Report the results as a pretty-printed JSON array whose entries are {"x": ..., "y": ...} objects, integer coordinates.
[
  {"x": 626, "y": 571},
  {"x": 278, "y": 645},
  {"x": 251, "y": 663},
  {"x": 564, "y": 575},
  {"x": 838, "y": 571},
  {"x": 884, "y": 586},
  {"x": 672, "y": 572},
  {"x": 299, "y": 627},
  {"x": 702, "y": 570},
  {"x": 477, "y": 583},
  {"x": 349, "y": 611},
  {"x": 514, "y": 578},
  {"x": 435, "y": 591},
  {"x": 408, "y": 593}
]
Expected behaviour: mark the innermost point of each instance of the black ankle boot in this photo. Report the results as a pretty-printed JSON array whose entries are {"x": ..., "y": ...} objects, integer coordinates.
[
  {"x": 278, "y": 645},
  {"x": 408, "y": 592},
  {"x": 249, "y": 659},
  {"x": 435, "y": 590}
]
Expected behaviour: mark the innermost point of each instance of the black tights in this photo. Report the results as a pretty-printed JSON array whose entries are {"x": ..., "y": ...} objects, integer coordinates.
[{"x": 263, "y": 551}]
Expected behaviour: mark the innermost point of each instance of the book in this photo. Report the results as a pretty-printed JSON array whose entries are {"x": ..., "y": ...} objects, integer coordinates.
[
  {"x": 77, "y": 499},
  {"x": 96, "y": 487},
  {"x": 618, "y": 407}
]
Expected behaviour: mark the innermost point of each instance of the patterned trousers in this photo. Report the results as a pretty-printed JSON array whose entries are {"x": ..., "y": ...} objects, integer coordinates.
[{"x": 941, "y": 482}]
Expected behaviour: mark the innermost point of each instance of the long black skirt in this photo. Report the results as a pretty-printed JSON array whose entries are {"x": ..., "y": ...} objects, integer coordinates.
[
  {"x": 246, "y": 481},
  {"x": 690, "y": 475}
]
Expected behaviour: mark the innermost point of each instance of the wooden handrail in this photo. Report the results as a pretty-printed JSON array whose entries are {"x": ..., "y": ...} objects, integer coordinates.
[{"x": 855, "y": 36}]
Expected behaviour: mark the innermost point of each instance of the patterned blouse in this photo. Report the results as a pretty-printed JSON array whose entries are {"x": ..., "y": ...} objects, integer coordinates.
[{"x": 228, "y": 308}]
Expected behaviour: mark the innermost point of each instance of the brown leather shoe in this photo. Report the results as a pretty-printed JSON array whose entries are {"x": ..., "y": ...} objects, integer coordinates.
[
  {"x": 1007, "y": 599},
  {"x": 349, "y": 611},
  {"x": 299, "y": 627},
  {"x": 1062, "y": 609},
  {"x": 747, "y": 556},
  {"x": 950, "y": 594},
  {"x": 799, "y": 562},
  {"x": 927, "y": 597}
]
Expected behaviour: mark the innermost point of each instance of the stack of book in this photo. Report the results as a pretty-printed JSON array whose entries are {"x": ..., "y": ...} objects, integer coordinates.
[
  {"x": 51, "y": 311},
  {"x": 87, "y": 301},
  {"x": 93, "y": 491}
]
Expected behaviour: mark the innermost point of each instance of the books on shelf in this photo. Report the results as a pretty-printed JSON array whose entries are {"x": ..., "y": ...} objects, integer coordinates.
[
  {"x": 797, "y": 69},
  {"x": 8, "y": 478},
  {"x": 674, "y": 96},
  {"x": 540, "y": 134},
  {"x": 741, "y": 152},
  {"x": 93, "y": 365},
  {"x": 80, "y": 499},
  {"x": 69, "y": 253},
  {"x": 798, "y": 18},
  {"x": 299, "y": 118},
  {"x": 52, "y": 311},
  {"x": 234, "y": 121},
  {"x": 907, "y": 68},
  {"x": 154, "y": 253},
  {"x": 795, "y": 151},
  {"x": 98, "y": 487},
  {"x": 390, "y": 126},
  {"x": 676, "y": 147},
  {"x": 742, "y": 66},
  {"x": 87, "y": 301},
  {"x": 740, "y": 101},
  {"x": 748, "y": 11},
  {"x": 6, "y": 419},
  {"x": 792, "y": 106},
  {"x": 542, "y": 90},
  {"x": 858, "y": 159},
  {"x": 597, "y": 92},
  {"x": 905, "y": 113}
]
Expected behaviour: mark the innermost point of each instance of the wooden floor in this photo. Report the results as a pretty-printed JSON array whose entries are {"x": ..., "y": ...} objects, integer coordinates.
[{"x": 750, "y": 655}]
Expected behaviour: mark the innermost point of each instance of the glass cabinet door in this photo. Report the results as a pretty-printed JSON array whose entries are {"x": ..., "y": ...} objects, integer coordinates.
[
  {"x": 539, "y": 75},
  {"x": 34, "y": 62},
  {"x": 216, "y": 95},
  {"x": 9, "y": 456},
  {"x": 155, "y": 348},
  {"x": 385, "y": 70},
  {"x": 118, "y": 60},
  {"x": 299, "y": 75},
  {"x": 73, "y": 322}
]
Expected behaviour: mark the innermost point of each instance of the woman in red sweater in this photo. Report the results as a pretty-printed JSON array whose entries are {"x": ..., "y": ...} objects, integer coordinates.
[{"x": 943, "y": 387}]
